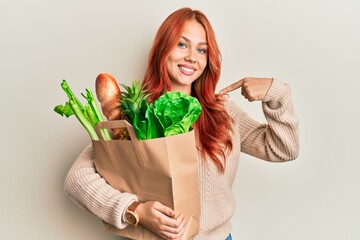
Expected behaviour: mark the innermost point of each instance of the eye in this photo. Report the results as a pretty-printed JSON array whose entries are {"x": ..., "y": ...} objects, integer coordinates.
[
  {"x": 202, "y": 50},
  {"x": 182, "y": 45}
]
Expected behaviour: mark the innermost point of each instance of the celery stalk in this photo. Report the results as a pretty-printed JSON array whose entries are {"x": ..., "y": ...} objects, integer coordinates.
[
  {"x": 83, "y": 119},
  {"x": 96, "y": 111},
  {"x": 88, "y": 115}
]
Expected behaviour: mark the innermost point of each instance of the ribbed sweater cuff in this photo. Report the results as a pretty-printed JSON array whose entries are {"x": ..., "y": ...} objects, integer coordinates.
[{"x": 275, "y": 94}]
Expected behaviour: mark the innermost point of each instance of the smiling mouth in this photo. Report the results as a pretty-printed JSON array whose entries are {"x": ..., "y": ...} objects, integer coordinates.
[{"x": 187, "y": 70}]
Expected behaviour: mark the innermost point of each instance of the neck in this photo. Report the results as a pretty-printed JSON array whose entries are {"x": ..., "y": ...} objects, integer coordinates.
[{"x": 181, "y": 88}]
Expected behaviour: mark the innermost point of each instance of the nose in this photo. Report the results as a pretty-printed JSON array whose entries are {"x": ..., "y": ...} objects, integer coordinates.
[{"x": 191, "y": 56}]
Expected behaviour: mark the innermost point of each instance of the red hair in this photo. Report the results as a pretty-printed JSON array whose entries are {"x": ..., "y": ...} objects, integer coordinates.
[{"x": 213, "y": 127}]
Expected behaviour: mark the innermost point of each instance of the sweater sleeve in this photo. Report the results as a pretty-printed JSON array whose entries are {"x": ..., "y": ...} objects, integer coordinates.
[
  {"x": 277, "y": 140},
  {"x": 90, "y": 191}
]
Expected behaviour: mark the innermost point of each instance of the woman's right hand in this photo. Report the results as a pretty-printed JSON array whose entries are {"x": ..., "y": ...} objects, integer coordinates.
[{"x": 161, "y": 220}]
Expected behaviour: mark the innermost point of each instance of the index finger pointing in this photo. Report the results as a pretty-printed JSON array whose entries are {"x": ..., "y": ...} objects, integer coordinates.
[{"x": 232, "y": 87}]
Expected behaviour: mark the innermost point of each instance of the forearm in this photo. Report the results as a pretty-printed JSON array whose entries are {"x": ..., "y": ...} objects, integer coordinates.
[
  {"x": 90, "y": 191},
  {"x": 277, "y": 140}
]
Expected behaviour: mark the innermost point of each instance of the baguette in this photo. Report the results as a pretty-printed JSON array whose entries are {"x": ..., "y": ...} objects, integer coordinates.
[{"x": 108, "y": 94}]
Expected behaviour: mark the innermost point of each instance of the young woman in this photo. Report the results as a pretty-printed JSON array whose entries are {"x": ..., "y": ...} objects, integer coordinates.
[{"x": 185, "y": 57}]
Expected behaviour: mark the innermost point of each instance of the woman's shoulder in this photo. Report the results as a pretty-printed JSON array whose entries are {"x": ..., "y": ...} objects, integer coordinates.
[{"x": 232, "y": 107}]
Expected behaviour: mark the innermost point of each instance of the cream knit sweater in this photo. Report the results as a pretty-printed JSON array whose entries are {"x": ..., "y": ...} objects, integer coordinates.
[{"x": 276, "y": 141}]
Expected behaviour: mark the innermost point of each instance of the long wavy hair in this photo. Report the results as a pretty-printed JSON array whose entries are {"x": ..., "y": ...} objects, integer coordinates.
[{"x": 213, "y": 127}]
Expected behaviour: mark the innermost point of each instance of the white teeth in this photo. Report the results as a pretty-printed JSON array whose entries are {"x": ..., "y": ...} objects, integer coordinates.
[{"x": 187, "y": 69}]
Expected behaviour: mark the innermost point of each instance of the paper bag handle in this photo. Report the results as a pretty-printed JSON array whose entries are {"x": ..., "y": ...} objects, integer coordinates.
[
  {"x": 120, "y": 124},
  {"x": 115, "y": 124}
]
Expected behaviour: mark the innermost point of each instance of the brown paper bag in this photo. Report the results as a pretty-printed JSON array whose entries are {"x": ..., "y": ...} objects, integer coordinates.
[{"x": 162, "y": 169}]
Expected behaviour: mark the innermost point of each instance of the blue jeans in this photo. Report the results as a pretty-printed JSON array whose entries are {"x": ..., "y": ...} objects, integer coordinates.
[{"x": 229, "y": 237}]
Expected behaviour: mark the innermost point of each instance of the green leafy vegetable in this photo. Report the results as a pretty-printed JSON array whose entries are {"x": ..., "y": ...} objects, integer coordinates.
[
  {"x": 172, "y": 113},
  {"x": 176, "y": 112},
  {"x": 88, "y": 115}
]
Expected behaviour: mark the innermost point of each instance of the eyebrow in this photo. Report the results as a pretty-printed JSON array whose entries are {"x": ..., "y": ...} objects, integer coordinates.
[{"x": 188, "y": 40}]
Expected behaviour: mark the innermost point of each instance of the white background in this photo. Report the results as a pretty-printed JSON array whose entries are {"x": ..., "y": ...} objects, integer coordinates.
[{"x": 311, "y": 44}]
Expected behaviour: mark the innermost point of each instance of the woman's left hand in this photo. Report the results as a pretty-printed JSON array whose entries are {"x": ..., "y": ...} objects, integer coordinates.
[{"x": 253, "y": 89}]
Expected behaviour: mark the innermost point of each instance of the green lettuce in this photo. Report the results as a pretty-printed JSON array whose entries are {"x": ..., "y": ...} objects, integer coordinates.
[
  {"x": 146, "y": 125},
  {"x": 171, "y": 114},
  {"x": 176, "y": 112}
]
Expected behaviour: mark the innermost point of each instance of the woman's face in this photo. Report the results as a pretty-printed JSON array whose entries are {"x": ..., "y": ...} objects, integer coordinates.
[{"x": 188, "y": 58}]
